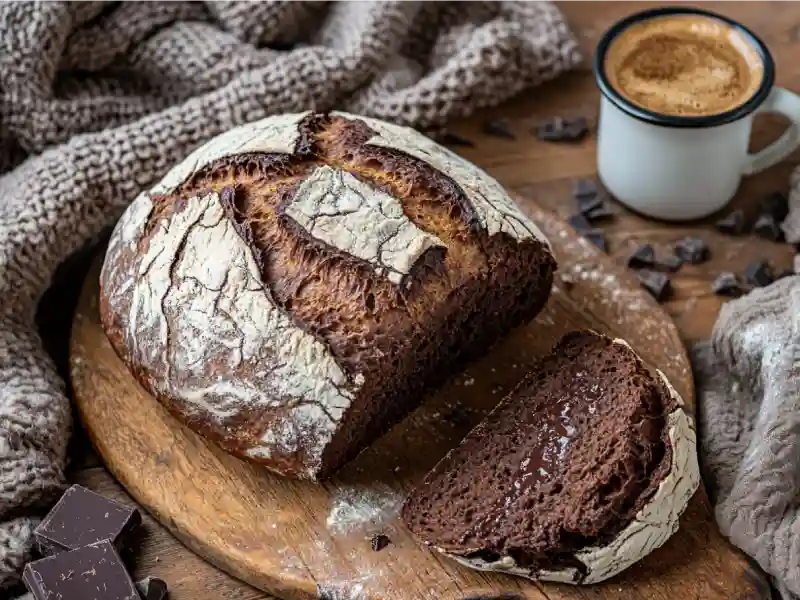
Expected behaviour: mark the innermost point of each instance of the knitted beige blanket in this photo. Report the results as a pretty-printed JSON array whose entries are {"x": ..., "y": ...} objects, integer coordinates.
[{"x": 99, "y": 99}]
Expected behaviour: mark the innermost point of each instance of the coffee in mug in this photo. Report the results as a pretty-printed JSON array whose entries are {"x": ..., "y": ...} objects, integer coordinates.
[{"x": 680, "y": 88}]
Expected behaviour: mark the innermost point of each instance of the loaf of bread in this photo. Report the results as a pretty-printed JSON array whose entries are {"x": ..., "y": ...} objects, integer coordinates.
[
  {"x": 581, "y": 471},
  {"x": 292, "y": 288}
]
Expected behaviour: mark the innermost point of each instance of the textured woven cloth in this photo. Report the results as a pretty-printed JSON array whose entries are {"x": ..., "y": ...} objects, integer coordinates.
[
  {"x": 99, "y": 99},
  {"x": 748, "y": 379}
]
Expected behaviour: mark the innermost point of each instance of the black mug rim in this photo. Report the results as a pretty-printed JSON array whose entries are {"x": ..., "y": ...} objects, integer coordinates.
[{"x": 655, "y": 118}]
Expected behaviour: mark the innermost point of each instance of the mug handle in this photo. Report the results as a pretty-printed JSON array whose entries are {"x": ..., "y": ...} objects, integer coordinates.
[{"x": 786, "y": 103}]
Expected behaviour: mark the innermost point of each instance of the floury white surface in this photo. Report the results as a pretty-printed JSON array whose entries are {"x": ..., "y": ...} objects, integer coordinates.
[{"x": 679, "y": 174}]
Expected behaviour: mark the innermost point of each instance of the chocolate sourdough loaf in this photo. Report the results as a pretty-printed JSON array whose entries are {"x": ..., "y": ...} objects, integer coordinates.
[
  {"x": 292, "y": 287},
  {"x": 581, "y": 471}
]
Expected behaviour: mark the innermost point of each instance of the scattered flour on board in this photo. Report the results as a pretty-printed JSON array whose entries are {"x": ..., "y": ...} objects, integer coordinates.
[{"x": 363, "y": 509}]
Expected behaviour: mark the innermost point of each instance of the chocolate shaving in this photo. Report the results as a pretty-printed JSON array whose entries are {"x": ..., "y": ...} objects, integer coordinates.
[
  {"x": 693, "y": 250},
  {"x": 601, "y": 213},
  {"x": 580, "y": 223},
  {"x": 656, "y": 283},
  {"x": 643, "y": 256},
  {"x": 598, "y": 238},
  {"x": 152, "y": 588},
  {"x": 768, "y": 228},
  {"x": 759, "y": 274},
  {"x": 557, "y": 129}
]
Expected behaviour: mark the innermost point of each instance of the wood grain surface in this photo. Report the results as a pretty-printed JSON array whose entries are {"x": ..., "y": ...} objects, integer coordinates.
[
  {"x": 298, "y": 540},
  {"x": 544, "y": 172}
]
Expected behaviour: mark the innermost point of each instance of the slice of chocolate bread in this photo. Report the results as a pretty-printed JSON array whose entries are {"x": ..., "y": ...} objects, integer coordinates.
[{"x": 581, "y": 471}]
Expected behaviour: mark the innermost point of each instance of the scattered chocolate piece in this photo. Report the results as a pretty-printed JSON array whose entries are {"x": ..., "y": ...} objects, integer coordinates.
[
  {"x": 727, "y": 284},
  {"x": 776, "y": 205},
  {"x": 693, "y": 250},
  {"x": 379, "y": 542},
  {"x": 643, "y": 256},
  {"x": 759, "y": 274},
  {"x": 152, "y": 588},
  {"x": 579, "y": 223},
  {"x": 768, "y": 228},
  {"x": 93, "y": 572},
  {"x": 499, "y": 128},
  {"x": 601, "y": 213},
  {"x": 598, "y": 238},
  {"x": 585, "y": 188},
  {"x": 670, "y": 263},
  {"x": 587, "y": 204},
  {"x": 82, "y": 517},
  {"x": 656, "y": 283},
  {"x": 455, "y": 140},
  {"x": 557, "y": 129},
  {"x": 732, "y": 224}
]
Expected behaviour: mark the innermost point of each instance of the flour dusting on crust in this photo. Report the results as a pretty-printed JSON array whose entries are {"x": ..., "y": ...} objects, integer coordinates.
[
  {"x": 354, "y": 217},
  {"x": 494, "y": 207}
]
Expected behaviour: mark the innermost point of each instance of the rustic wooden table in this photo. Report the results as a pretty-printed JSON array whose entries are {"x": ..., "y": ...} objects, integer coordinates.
[{"x": 543, "y": 171}]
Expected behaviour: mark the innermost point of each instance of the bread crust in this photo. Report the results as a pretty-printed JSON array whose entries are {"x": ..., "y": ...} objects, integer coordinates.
[{"x": 264, "y": 289}]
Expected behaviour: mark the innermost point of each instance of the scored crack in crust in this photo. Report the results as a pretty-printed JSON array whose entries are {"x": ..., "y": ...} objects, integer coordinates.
[{"x": 289, "y": 290}]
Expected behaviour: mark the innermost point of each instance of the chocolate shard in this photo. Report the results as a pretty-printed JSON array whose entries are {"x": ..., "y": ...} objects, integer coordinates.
[
  {"x": 693, "y": 250},
  {"x": 93, "y": 572},
  {"x": 557, "y": 129},
  {"x": 580, "y": 223},
  {"x": 499, "y": 128},
  {"x": 759, "y": 274},
  {"x": 656, "y": 283},
  {"x": 727, "y": 284},
  {"x": 598, "y": 238},
  {"x": 768, "y": 228},
  {"x": 576, "y": 129},
  {"x": 585, "y": 188},
  {"x": 732, "y": 223},
  {"x": 453, "y": 139},
  {"x": 643, "y": 256},
  {"x": 670, "y": 263},
  {"x": 152, "y": 588},
  {"x": 776, "y": 205},
  {"x": 601, "y": 213},
  {"x": 587, "y": 204},
  {"x": 82, "y": 517},
  {"x": 379, "y": 542}
]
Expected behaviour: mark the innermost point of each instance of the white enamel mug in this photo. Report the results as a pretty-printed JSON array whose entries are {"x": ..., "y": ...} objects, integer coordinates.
[{"x": 680, "y": 168}]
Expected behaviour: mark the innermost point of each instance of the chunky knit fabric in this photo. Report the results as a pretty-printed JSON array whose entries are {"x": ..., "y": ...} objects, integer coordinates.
[{"x": 99, "y": 99}]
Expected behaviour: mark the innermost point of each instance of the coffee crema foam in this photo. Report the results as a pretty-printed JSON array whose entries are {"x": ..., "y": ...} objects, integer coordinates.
[{"x": 684, "y": 65}]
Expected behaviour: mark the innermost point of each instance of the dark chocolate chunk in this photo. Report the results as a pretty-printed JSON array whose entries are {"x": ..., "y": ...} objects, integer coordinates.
[
  {"x": 598, "y": 238},
  {"x": 579, "y": 223},
  {"x": 768, "y": 228},
  {"x": 152, "y": 588},
  {"x": 585, "y": 188},
  {"x": 499, "y": 128},
  {"x": 601, "y": 213},
  {"x": 588, "y": 204},
  {"x": 656, "y": 283},
  {"x": 379, "y": 542},
  {"x": 759, "y": 274},
  {"x": 557, "y": 129},
  {"x": 670, "y": 263},
  {"x": 455, "y": 140},
  {"x": 732, "y": 223},
  {"x": 693, "y": 250},
  {"x": 727, "y": 284},
  {"x": 93, "y": 572},
  {"x": 776, "y": 205},
  {"x": 643, "y": 256},
  {"x": 82, "y": 517}
]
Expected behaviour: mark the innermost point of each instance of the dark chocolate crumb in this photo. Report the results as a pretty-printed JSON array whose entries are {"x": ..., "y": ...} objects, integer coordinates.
[
  {"x": 499, "y": 128},
  {"x": 579, "y": 223},
  {"x": 693, "y": 250},
  {"x": 598, "y": 238},
  {"x": 455, "y": 140},
  {"x": 670, "y": 263},
  {"x": 732, "y": 223},
  {"x": 601, "y": 213},
  {"x": 379, "y": 542},
  {"x": 727, "y": 284},
  {"x": 759, "y": 274},
  {"x": 585, "y": 188},
  {"x": 656, "y": 283},
  {"x": 557, "y": 129},
  {"x": 152, "y": 588},
  {"x": 643, "y": 256},
  {"x": 776, "y": 205},
  {"x": 768, "y": 228}
]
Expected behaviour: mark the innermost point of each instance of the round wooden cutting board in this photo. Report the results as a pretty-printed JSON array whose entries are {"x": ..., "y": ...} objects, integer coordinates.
[{"x": 301, "y": 540}]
